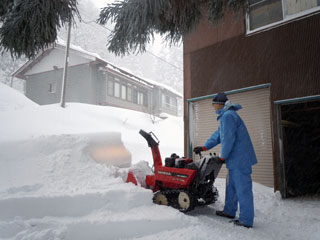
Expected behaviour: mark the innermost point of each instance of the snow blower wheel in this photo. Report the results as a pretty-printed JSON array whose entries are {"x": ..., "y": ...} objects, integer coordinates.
[
  {"x": 160, "y": 198},
  {"x": 185, "y": 202}
]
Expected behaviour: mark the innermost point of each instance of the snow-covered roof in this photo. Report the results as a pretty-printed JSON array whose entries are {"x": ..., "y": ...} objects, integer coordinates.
[{"x": 63, "y": 43}]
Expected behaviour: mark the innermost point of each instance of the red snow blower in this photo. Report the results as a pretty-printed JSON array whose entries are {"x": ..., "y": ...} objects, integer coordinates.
[{"x": 182, "y": 183}]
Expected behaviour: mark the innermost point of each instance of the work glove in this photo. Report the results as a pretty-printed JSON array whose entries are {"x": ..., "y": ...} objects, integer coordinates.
[
  {"x": 221, "y": 160},
  {"x": 199, "y": 149}
]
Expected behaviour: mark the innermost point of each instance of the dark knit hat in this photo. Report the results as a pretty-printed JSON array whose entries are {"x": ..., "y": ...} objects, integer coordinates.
[{"x": 221, "y": 98}]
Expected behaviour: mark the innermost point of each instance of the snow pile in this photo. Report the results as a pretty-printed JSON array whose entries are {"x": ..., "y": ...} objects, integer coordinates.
[
  {"x": 11, "y": 99},
  {"x": 53, "y": 150},
  {"x": 51, "y": 188},
  {"x": 79, "y": 118},
  {"x": 51, "y": 165},
  {"x": 140, "y": 171}
]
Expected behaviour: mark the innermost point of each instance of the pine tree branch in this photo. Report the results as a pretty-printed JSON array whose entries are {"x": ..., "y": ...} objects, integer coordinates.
[
  {"x": 29, "y": 26},
  {"x": 137, "y": 20}
]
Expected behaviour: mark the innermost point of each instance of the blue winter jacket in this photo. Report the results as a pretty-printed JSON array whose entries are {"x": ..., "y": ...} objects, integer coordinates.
[{"x": 236, "y": 145}]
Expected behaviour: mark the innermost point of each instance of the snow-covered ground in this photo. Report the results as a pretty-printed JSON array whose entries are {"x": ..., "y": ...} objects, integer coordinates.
[
  {"x": 11, "y": 99},
  {"x": 51, "y": 188}
]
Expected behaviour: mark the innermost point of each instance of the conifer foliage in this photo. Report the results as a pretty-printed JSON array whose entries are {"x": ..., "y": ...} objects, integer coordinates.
[
  {"x": 137, "y": 20},
  {"x": 27, "y": 26}
]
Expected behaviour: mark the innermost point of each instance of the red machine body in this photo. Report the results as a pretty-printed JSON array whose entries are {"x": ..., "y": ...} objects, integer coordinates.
[
  {"x": 180, "y": 183},
  {"x": 166, "y": 177},
  {"x": 170, "y": 178}
]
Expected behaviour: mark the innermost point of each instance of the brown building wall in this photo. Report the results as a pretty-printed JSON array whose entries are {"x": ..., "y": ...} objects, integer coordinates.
[
  {"x": 287, "y": 56},
  {"x": 207, "y": 34}
]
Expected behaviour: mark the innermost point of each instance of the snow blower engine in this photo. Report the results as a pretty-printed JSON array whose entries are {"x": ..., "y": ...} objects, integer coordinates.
[{"x": 182, "y": 183}]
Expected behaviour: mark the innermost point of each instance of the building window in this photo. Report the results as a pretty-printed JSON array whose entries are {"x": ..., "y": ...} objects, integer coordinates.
[
  {"x": 110, "y": 86},
  {"x": 145, "y": 100},
  {"x": 129, "y": 94},
  {"x": 52, "y": 88},
  {"x": 140, "y": 98},
  {"x": 126, "y": 91},
  {"x": 165, "y": 101},
  {"x": 169, "y": 102},
  {"x": 123, "y": 92},
  {"x": 264, "y": 13},
  {"x": 174, "y": 102},
  {"x": 117, "y": 89},
  {"x": 298, "y": 6},
  {"x": 135, "y": 96}
]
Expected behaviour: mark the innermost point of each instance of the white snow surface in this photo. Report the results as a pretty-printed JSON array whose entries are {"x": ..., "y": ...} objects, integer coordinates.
[
  {"x": 11, "y": 99},
  {"x": 50, "y": 188}
]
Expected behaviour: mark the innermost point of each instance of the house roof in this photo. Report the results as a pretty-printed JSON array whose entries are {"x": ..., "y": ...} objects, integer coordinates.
[{"x": 94, "y": 57}]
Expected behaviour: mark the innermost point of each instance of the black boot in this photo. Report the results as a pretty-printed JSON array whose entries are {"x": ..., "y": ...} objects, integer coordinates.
[
  {"x": 238, "y": 223},
  {"x": 223, "y": 214}
]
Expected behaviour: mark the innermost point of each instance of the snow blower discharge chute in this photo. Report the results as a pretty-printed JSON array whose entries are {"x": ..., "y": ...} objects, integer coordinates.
[{"x": 182, "y": 183}]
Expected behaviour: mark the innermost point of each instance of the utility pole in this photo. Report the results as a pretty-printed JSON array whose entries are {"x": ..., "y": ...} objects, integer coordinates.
[
  {"x": 11, "y": 82},
  {"x": 65, "y": 70}
]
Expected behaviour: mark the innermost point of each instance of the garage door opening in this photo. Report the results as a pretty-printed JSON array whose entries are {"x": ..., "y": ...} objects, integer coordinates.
[{"x": 301, "y": 148}]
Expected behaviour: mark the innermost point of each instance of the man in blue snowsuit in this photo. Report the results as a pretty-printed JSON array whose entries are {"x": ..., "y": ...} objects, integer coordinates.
[{"x": 238, "y": 154}]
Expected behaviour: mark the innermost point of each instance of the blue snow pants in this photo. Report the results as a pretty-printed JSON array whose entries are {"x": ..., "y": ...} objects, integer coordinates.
[{"x": 239, "y": 189}]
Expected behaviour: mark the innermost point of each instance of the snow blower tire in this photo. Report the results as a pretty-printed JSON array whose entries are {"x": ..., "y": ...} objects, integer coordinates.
[
  {"x": 160, "y": 199},
  {"x": 186, "y": 202}
]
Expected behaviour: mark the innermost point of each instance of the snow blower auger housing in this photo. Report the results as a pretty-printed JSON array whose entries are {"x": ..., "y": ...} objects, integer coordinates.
[{"x": 182, "y": 183}]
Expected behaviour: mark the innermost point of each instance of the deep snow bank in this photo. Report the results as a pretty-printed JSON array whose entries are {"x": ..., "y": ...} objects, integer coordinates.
[
  {"x": 11, "y": 99},
  {"x": 58, "y": 164},
  {"x": 50, "y": 188},
  {"x": 79, "y": 118}
]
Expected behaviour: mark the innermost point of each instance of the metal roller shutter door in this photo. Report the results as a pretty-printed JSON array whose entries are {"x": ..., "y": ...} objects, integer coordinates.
[{"x": 255, "y": 114}]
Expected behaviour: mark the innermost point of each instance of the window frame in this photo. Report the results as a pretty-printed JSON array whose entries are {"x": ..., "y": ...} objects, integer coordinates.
[
  {"x": 129, "y": 93},
  {"x": 110, "y": 87},
  {"x": 286, "y": 19},
  {"x": 172, "y": 104},
  {"x": 140, "y": 97},
  {"x": 116, "y": 83},
  {"x": 52, "y": 87},
  {"x": 167, "y": 101},
  {"x": 123, "y": 92}
]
